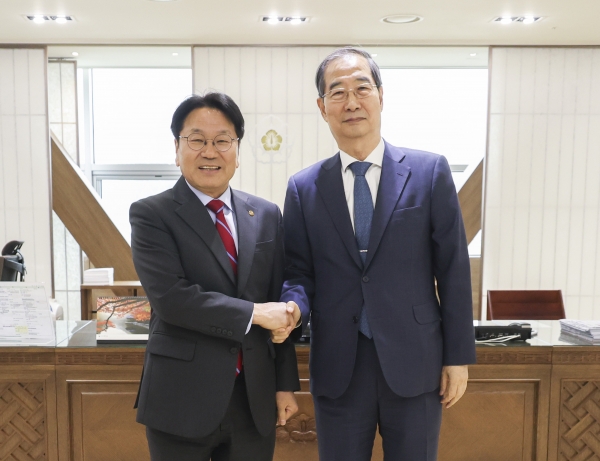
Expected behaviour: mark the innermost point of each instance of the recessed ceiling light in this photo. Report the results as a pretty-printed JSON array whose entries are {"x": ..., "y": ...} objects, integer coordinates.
[
  {"x": 287, "y": 19},
  {"x": 175, "y": 54},
  {"x": 374, "y": 55},
  {"x": 42, "y": 18},
  {"x": 521, "y": 19},
  {"x": 38, "y": 18},
  {"x": 62, "y": 19},
  {"x": 402, "y": 18},
  {"x": 473, "y": 55},
  {"x": 74, "y": 53}
]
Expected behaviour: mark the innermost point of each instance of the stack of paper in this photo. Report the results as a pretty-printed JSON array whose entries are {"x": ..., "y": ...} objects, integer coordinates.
[
  {"x": 100, "y": 276},
  {"x": 585, "y": 331}
]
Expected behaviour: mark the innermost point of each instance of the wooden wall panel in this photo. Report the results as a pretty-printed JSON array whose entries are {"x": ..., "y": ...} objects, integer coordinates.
[
  {"x": 95, "y": 413},
  {"x": 286, "y": 104},
  {"x": 101, "y": 435},
  {"x": 502, "y": 412},
  {"x": 541, "y": 211},
  {"x": 25, "y": 206},
  {"x": 28, "y": 429},
  {"x": 575, "y": 408}
]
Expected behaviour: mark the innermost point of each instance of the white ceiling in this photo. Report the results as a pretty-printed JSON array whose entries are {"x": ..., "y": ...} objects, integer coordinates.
[{"x": 332, "y": 22}]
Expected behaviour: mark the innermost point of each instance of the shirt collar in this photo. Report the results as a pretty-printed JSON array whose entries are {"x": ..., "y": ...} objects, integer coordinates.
[
  {"x": 225, "y": 196},
  {"x": 375, "y": 157}
]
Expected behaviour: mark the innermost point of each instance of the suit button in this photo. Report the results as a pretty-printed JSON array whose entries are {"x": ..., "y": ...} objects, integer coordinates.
[
  {"x": 365, "y": 279},
  {"x": 213, "y": 329},
  {"x": 230, "y": 333},
  {"x": 233, "y": 350},
  {"x": 355, "y": 319},
  {"x": 219, "y": 330}
]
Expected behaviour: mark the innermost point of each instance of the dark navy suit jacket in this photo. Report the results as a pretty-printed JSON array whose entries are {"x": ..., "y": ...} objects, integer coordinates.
[{"x": 417, "y": 238}]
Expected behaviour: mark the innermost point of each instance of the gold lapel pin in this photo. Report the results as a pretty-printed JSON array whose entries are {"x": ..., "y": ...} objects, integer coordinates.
[{"x": 251, "y": 213}]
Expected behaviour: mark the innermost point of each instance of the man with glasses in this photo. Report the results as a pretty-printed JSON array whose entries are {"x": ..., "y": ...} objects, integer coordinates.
[
  {"x": 368, "y": 234},
  {"x": 210, "y": 260}
]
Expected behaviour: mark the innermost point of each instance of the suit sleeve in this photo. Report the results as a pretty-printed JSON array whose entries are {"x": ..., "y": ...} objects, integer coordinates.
[
  {"x": 286, "y": 364},
  {"x": 451, "y": 268},
  {"x": 175, "y": 299},
  {"x": 299, "y": 284}
]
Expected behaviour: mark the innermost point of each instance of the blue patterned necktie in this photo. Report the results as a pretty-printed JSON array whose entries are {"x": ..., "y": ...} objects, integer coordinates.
[{"x": 363, "y": 216}]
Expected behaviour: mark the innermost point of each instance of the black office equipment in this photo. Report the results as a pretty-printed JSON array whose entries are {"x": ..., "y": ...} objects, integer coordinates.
[
  {"x": 12, "y": 263},
  {"x": 515, "y": 331}
]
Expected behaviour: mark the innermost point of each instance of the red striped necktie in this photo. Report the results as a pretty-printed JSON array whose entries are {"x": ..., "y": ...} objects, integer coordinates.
[{"x": 217, "y": 207}]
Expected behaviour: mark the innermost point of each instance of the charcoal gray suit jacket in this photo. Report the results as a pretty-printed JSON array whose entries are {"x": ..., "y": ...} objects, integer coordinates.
[{"x": 201, "y": 310}]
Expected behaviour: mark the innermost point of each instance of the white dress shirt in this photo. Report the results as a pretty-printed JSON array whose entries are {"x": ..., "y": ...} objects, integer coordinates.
[
  {"x": 373, "y": 175},
  {"x": 229, "y": 217}
]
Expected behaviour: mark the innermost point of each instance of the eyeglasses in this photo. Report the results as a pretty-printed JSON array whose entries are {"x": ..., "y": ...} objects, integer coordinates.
[
  {"x": 341, "y": 94},
  {"x": 221, "y": 142}
]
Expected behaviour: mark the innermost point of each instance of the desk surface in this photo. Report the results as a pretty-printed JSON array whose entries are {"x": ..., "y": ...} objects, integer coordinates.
[{"x": 547, "y": 334}]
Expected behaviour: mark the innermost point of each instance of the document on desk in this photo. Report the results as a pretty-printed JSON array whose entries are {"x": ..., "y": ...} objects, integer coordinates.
[{"x": 25, "y": 317}]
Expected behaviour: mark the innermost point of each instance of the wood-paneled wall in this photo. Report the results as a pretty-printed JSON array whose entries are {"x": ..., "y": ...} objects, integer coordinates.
[
  {"x": 275, "y": 89},
  {"x": 24, "y": 159},
  {"x": 542, "y": 195}
]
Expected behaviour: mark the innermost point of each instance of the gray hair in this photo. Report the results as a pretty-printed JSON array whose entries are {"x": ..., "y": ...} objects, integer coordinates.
[{"x": 339, "y": 53}]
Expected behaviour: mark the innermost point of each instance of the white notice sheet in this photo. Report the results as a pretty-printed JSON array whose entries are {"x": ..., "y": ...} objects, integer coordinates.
[{"x": 25, "y": 318}]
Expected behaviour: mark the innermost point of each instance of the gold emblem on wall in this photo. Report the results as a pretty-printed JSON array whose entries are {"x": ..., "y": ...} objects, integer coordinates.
[{"x": 271, "y": 140}]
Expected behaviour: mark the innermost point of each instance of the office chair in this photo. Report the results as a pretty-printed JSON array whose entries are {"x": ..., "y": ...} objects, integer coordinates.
[
  {"x": 12, "y": 262},
  {"x": 525, "y": 305}
]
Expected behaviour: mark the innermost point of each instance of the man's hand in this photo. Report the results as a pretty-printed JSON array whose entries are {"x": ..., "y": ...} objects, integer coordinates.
[
  {"x": 453, "y": 384},
  {"x": 280, "y": 335},
  {"x": 286, "y": 406},
  {"x": 272, "y": 316}
]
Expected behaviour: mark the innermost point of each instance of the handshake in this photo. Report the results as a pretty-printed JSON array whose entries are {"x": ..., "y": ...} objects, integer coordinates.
[{"x": 279, "y": 318}]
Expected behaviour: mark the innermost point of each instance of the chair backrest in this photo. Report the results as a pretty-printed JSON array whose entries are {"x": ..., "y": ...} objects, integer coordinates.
[{"x": 525, "y": 305}]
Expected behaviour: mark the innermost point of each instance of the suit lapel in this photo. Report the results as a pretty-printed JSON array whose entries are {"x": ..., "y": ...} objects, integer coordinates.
[
  {"x": 247, "y": 234},
  {"x": 196, "y": 216},
  {"x": 393, "y": 179},
  {"x": 331, "y": 188}
]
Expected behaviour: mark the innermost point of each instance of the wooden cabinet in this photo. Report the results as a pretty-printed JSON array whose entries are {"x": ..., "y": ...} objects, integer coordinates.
[
  {"x": 522, "y": 403},
  {"x": 96, "y": 391},
  {"x": 28, "y": 428}
]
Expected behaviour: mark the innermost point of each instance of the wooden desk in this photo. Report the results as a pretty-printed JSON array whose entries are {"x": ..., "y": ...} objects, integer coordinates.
[
  {"x": 523, "y": 403},
  {"x": 88, "y": 300}
]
